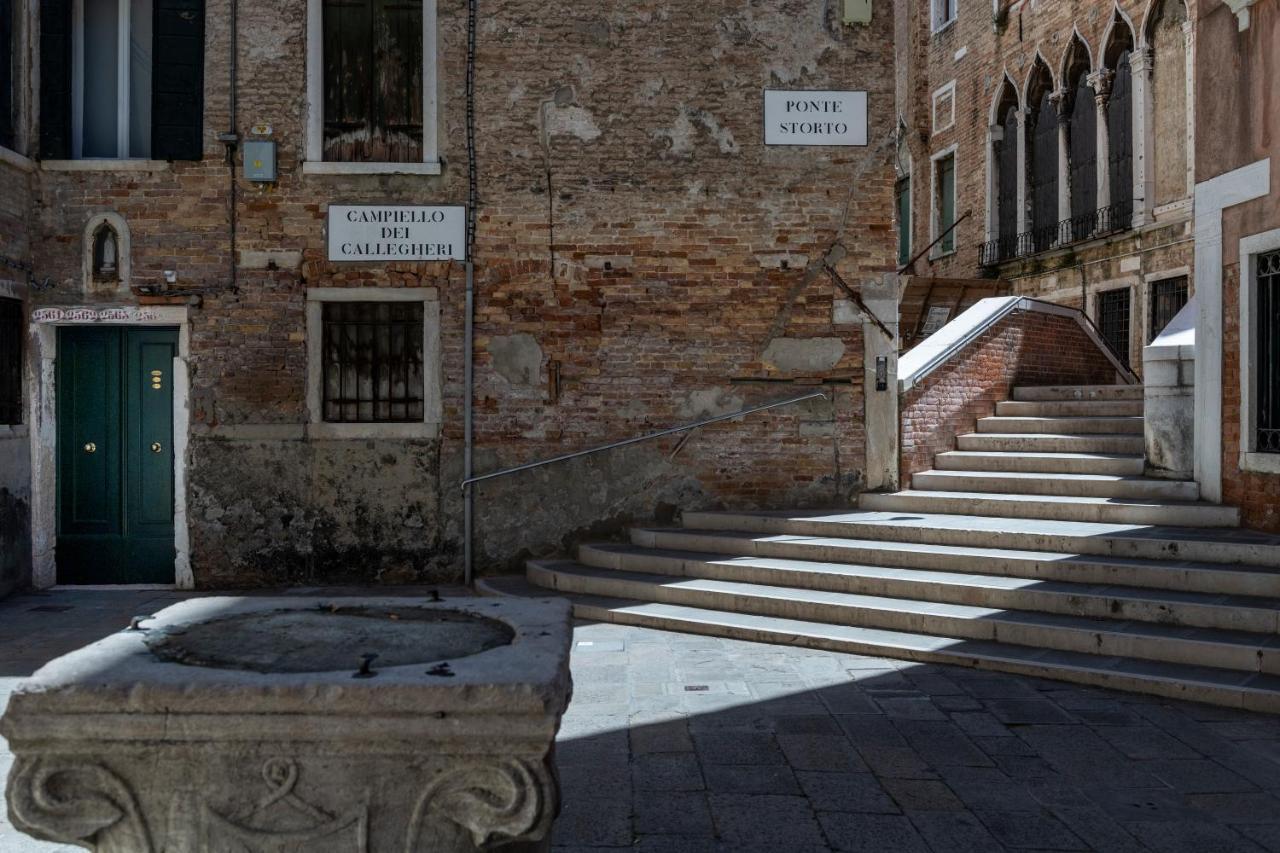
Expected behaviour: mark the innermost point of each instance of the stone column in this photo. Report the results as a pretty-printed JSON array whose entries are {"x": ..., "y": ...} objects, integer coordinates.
[
  {"x": 1189, "y": 35},
  {"x": 1144, "y": 176},
  {"x": 995, "y": 133},
  {"x": 1024, "y": 215},
  {"x": 1062, "y": 105},
  {"x": 1101, "y": 80}
]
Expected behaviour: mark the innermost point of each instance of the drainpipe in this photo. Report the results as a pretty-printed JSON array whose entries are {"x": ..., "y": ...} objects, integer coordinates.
[
  {"x": 231, "y": 139},
  {"x": 473, "y": 193}
]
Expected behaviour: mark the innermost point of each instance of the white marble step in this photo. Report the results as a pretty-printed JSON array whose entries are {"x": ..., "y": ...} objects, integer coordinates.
[
  {"x": 1073, "y": 598},
  {"x": 1195, "y": 646},
  {"x": 1216, "y": 579},
  {"x": 1078, "y": 392},
  {"x": 1051, "y": 443},
  {"x": 1069, "y": 408},
  {"x": 1119, "y": 464},
  {"x": 1061, "y": 508},
  {"x": 1073, "y": 485},
  {"x": 1230, "y": 688},
  {"x": 1063, "y": 426},
  {"x": 1231, "y": 547}
]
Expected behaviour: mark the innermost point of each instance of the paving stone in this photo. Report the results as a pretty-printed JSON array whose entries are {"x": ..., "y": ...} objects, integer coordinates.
[
  {"x": 1078, "y": 753},
  {"x": 1264, "y": 835},
  {"x": 765, "y": 820},
  {"x": 1002, "y": 745},
  {"x": 807, "y": 725},
  {"x": 847, "y": 699},
  {"x": 954, "y": 832},
  {"x": 922, "y": 795},
  {"x": 995, "y": 687},
  {"x": 1096, "y": 829},
  {"x": 674, "y": 771},
  {"x": 1129, "y": 805},
  {"x": 962, "y": 702},
  {"x": 832, "y": 753},
  {"x": 603, "y": 821},
  {"x": 1021, "y": 830},
  {"x": 671, "y": 813},
  {"x": 910, "y": 708},
  {"x": 1024, "y": 767},
  {"x": 738, "y": 748},
  {"x": 867, "y": 833},
  {"x": 988, "y": 789},
  {"x": 941, "y": 743},
  {"x": 896, "y": 762},
  {"x": 980, "y": 724},
  {"x": 1237, "y": 808},
  {"x": 1145, "y": 742},
  {"x": 866, "y": 730},
  {"x": 670, "y": 736},
  {"x": 846, "y": 792},
  {"x": 1197, "y": 776},
  {"x": 750, "y": 779},
  {"x": 1189, "y": 837},
  {"x": 1027, "y": 711}
]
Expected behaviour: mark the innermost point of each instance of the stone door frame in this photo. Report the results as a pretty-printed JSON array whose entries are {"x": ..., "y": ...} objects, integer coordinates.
[{"x": 42, "y": 410}]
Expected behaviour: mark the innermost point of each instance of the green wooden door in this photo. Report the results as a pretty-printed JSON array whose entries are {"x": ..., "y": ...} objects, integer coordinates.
[{"x": 115, "y": 455}]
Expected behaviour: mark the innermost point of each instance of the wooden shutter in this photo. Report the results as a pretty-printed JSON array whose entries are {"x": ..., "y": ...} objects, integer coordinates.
[
  {"x": 55, "y": 79},
  {"x": 373, "y": 80},
  {"x": 8, "y": 33},
  {"x": 177, "y": 87}
]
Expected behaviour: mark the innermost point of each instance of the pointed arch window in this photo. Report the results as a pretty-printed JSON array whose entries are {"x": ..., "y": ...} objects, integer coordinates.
[
  {"x": 1083, "y": 156},
  {"x": 1004, "y": 159},
  {"x": 1042, "y": 162},
  {"x": 1119, "y": 117}
]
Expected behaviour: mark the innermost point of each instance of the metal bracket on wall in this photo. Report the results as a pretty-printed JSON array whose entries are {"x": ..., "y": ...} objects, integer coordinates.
[{"x": 22, "y": 266}]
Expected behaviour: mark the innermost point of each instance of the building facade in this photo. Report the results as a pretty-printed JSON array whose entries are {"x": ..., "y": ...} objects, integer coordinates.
[
  {"x": 1050, "y": 146},
  {"x": 206, "y": 391}
]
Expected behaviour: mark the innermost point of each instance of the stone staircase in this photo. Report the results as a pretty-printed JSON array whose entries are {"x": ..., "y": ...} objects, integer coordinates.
[{"x": 1035, "y": 547}]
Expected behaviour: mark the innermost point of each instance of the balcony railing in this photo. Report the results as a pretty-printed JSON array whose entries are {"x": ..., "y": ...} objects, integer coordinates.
[{"x": 1096, "y": 223}]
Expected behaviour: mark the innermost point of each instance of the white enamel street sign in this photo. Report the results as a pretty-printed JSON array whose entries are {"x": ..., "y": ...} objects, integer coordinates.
[
  {"x": 815, "y": 118},
  {"x": 397, "y": 233}
]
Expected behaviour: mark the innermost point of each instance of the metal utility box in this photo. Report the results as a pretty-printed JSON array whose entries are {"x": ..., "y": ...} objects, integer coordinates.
[
  {"x": 260, "y": 161},
  {"x": 857, "y": 11}
]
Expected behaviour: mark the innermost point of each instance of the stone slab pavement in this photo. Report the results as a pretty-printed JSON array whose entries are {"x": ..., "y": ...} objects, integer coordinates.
[{"x": 678, "y": 743}]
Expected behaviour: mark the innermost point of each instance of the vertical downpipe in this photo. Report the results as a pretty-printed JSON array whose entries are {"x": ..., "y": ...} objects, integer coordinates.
[
  {"x": 473, "y": 192},
  {"x": 232, "y": 138}
]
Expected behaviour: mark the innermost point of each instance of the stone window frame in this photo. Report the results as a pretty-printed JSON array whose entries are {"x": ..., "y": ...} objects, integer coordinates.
[
  {"x": 1250, "y": 248},
  {"x": 25, "y": 32},
  {"x": 314, "y": 162},
  {"x": 433, "y": 407},
  {"x": 935, "y": 211},
  {"x": 1149, "y": 281},
  {"x": 939, "y": 94},
  {"x": 938, "y": 8},
  {"x": 18, "y": 291}
]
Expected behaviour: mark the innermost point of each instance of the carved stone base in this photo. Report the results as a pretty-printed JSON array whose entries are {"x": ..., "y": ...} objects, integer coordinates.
[{"x": 119, "y": 751}]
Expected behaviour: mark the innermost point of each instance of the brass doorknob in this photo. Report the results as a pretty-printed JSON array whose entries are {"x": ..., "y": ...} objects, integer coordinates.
[
  {"x": 155, "y": 447},
  {"x": 91, "y": 448}
]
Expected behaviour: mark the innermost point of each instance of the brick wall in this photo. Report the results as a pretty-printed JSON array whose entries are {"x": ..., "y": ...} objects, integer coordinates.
[
  {"x": 1025, "y": 348},
  {"x": 632, "y": 224},
  {"x": 15, "y": 461}
]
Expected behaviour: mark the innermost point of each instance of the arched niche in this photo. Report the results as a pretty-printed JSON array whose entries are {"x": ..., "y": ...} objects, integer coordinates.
[{"x": 106, "y": 249}]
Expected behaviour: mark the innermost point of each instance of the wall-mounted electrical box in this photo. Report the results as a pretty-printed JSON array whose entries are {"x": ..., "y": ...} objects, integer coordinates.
[
  {"x": 260, "y": 161},
  {"x": 857, "y": 11}
]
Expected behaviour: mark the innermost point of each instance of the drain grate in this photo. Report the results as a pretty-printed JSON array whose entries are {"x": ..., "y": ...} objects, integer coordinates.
[
  {"x": 696, "y": 688},
  {"x": 51, "y": 608}
]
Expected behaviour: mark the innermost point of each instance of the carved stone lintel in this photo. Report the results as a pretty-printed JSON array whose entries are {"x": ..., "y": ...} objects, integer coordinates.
[
  {"x": 491, "y": 802},
  {"x": 80, "y": 803}
]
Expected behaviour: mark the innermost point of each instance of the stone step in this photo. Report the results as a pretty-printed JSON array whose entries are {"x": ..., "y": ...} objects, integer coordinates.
[
  {"x": 1099, "y": 601},
  {"x": 1216, "y": 579},
  {"x": 1069, "y": 408},
  {"x": 1072, "y": 485},
  {"x": 1060, "y": 508},
  {"x": 1230, "y": 688},
  {"x": 1063, "y": 426},
  {"x": 1034, "y": 462},
  {"x": 1125, "y": 540},
  {"x": 1246, "y": 652},
  {"x": 1078, "y": 392},
  {"x": 1051, "y": 443}
]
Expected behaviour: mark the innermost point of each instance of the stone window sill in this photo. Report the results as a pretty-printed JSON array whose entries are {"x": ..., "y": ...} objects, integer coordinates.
[
  {"x": 356, "y": 432},
  {"x": 13, "y": 431},
  {"x": 317, "y": 167},
  {"x": 939, "y": 255},
  {"x": 103, "y": 165},
  {"x": 945, "y": 25},
  {"x": 13, "y": 158},
  {"x": 1260, "y": 463}
]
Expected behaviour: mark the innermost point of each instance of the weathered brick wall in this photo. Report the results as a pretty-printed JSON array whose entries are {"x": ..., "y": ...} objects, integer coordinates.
[
  {"x": 976, "y": 55},
  {"x": 1025, "y": 348},
  {"x": 632, "y": 225}
]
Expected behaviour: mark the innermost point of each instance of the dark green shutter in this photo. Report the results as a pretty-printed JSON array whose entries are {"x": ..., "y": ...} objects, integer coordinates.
[
  {"x": 177, "y": 88},
  {"x": 947, "y": 190},
  {"x": 55, "y": 79},
  {"x": 7, "y": 33},
  {"x": 904, "y": 220}
]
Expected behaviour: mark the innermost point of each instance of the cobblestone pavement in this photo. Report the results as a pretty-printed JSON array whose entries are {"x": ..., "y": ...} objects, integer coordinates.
[{"x": 676, "y": 743}]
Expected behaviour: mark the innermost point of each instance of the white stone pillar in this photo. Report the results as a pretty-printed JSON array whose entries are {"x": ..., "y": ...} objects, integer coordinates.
[
  {"x": 1024, "y": 215},
  {"x": 1189, "y": 35},
  {"x": 1062, "y": 105},
  {"x": 995, "y": 133},
  {"x": 1101, "y": 80},
  {"x": 1144, "y": 176}
]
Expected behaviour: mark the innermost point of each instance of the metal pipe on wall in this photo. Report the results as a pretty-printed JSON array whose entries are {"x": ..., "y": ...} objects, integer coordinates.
[{"x": 473, "y": 194}]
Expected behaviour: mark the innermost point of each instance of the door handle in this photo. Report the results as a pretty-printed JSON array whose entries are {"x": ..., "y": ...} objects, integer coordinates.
[
  {"x": 155, "y": 447},
  {"x": 91, "y": 448}
]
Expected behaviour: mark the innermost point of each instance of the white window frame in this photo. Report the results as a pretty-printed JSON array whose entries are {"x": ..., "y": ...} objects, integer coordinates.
[
  {"x": 948, "y": 88},
  {"x": 124, "y": 11},
  {"x": 432, "y": 405},
  {"x": 935, "y": 210},
  {"x": 1250, "y": 248},
  {"x": 937, "y": 9},
  {"x": 24, "y": 30},
  {"x": 315, "y": 163}
]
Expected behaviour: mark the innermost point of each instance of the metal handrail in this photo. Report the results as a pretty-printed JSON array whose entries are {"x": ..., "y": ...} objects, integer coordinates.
[{"x": 673, "y": 431}]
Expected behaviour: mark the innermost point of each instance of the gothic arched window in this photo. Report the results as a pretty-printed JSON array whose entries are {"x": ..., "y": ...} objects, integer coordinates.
[{"x": 1042, "y": 159}]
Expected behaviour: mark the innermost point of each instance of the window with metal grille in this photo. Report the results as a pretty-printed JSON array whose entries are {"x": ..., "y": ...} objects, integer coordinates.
[
  {"x": 1113, "y": 321},
  {"x": 10, "y": 361},
  {"x": 903, "y": 193},
  {"x": 945, "y": 198},
  {"x": 1267, "y": 330},
  {"x": 373, "y": 371},
  {"x": 1168, "y": 297}
]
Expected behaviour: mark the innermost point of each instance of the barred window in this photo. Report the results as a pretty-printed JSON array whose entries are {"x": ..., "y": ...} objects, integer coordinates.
[
  {"x": 1113, "y": 321},
  {"x": 10, "y": 361},
  {"x": 373, "y": 362},
  {"x": 1168, "y": 297}
]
